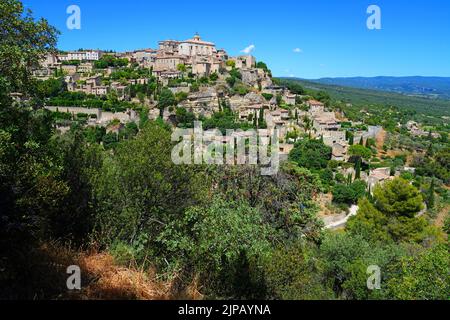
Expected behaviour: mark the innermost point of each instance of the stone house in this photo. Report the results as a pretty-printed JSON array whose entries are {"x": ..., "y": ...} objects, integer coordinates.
[
  {"x": 378, "y": 176},
  {"x": 290, "y": 98},
  {"x": 85, "y": 68},
  {"x": 168, "y": 63},
  {"x": 69, "y": 69},
  {"x": 340, "y": 151},
  {"x": 245, "y": 62}
]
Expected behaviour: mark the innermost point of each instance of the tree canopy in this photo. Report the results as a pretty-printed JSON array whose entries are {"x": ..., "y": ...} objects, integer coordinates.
[{"x": 311, "y": 154}]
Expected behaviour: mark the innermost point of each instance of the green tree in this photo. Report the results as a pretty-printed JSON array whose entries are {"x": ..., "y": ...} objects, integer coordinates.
[
  {"x": 431, "y": 196},
  {"x": 182, "y": 67},
  {"x": 392, "y": 217},
  {"x": 50, "y": 88},
  {"x": 262, "y": 65},
  {"x": 279, "y": 98},
  {"x": 215, "y": 239},
  {"x": 185, "y": 118},
  {"x": 358, "y": 169},
  {"x": 349, "y": 194},
  {"x": 296, "y": 273},
  {"x": 138, "y": 187},
  {"x": 110, "y": 140},
  {"x": 398, "y": 198},
  {"x": 360, "y": 151},
  {"x": 422, "y": 277},
  {"x": 181, "y": 96},
  {"x": 166, "y": 99},
  {"x": 214, "y": 76},
  {"x": 369, "y": 223},
  {"x": 231, "y": 81},
  {"x": 351, "y": 140},
  {"x": 231, "y": 63},
  {"x": 307, "y": 124},
  {"x": 311, "y": 154}
]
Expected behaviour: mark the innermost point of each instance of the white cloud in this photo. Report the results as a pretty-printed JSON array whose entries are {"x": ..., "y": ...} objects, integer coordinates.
[
  {"x": 249, "y": 49},
  {"x": 298, "y": 50}
]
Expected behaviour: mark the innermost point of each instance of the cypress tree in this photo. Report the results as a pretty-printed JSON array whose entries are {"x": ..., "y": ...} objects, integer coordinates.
[
  {"x": 431, "y": 196},
  {"x": 430, "y": 150},
  {"x": 392, "y": 173},
  {"x": 349, "y": 179},
  {"x": 358, "y": 169},
  {"x": 352, "y": 140},
  {"x": 261, "y": 115}
]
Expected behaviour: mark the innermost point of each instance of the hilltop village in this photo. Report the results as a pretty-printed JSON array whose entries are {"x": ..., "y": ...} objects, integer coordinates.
[
  {"x": 189, "y": 80},
  {"x": 201, "y": 77}
]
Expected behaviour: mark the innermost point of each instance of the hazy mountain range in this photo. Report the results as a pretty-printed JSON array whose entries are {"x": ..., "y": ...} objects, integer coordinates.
[{"x": 430, "y": 87}]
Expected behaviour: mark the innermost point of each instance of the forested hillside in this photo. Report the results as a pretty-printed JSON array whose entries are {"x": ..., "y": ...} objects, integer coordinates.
[
  {"x": 427, "y": 87},
  {"x": 364, "y": 98}
]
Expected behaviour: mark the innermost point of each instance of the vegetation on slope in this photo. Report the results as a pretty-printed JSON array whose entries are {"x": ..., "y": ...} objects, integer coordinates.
[{"x": 362, "y": 98}]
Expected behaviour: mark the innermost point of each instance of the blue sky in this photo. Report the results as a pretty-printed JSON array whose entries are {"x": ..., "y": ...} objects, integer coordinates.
[{"x": 332, "y": 35}]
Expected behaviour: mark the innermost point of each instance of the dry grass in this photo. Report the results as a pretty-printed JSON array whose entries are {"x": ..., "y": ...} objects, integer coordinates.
[
  {"x": 380, "y": 140},
  {"x": 327, "y": 208},
  {"x": 104, "y": 279}
]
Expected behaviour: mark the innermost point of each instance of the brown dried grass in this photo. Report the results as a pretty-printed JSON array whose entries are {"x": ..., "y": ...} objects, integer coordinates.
[{"x": 104, "y": 279}]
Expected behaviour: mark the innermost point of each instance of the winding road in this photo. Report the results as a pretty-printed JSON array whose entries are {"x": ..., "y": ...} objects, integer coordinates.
[{"x": 340, "y": 223}]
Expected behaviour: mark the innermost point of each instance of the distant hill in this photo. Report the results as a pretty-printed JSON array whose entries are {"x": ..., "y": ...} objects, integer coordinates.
[
  {"x": 429, "y": 87},
  {"x": 364, "y": 97}
]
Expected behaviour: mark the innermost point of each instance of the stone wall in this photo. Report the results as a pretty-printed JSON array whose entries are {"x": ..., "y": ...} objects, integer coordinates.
[{"x": 102, "y": 116}]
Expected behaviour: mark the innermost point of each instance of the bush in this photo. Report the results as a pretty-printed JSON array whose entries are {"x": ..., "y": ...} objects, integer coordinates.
[
  {"x": 267, "y": 96},
  {"x": 220, "y": 241},
  {"x": 349, "y": 194},
  {"x": 311, "y": 154},
  {"x": 295, "y": 273}
]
